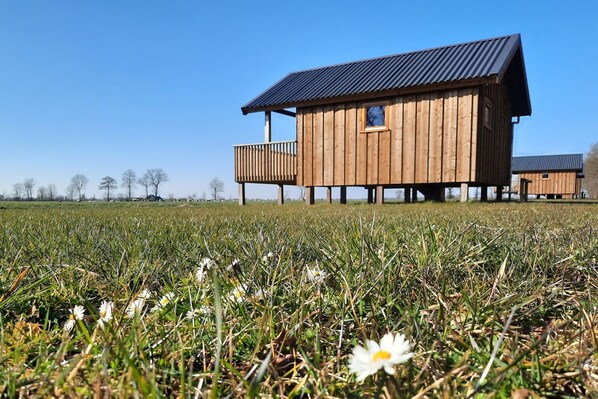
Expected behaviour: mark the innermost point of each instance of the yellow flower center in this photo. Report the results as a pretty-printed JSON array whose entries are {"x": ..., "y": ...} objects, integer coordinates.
[
  {"x": 381, "y": 355},
  {"x": 103, "y": 313}
]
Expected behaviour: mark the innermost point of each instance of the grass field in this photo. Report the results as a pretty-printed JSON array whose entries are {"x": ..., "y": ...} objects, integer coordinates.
[{"x": 496, "y": 299}]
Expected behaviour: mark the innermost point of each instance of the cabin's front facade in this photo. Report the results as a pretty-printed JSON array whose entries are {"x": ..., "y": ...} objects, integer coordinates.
[
  {"x": 422, "y": 121},
  {"x": 551, "y": 176}
]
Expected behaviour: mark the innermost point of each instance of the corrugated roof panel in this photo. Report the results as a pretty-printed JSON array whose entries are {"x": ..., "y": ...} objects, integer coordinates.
[
  {"x": 461, "y": 62},
  {"x": 546, "y": 163}
]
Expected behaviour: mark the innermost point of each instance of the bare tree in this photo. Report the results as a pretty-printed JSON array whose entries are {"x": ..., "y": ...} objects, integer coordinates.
[
  {"x": 108, "y": 183},
  {"x": 216, "y": 186},
  {"x": 145, "y": 182},
  {"x": 156, "y": 177},
  {"x": 129, "y": 181},
  {"x": 79, "y": 182},
  {"x": 17, "y": 190},
  {"x": 69, "y": 193},
  {"x": 28, "y": 185},
  {"x": 591, "y": 171},
  {"x": 51, "y": 192},
  {"x": 41, "y": 193}
]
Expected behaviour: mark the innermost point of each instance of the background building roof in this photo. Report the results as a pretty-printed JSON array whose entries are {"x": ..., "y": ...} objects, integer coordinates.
[
  {"x": 546, "y": 163},
  {"x": 479, "y": 62}
]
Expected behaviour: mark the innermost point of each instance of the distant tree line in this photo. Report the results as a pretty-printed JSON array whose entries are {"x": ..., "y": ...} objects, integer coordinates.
[{"x": 151, "y": 180}]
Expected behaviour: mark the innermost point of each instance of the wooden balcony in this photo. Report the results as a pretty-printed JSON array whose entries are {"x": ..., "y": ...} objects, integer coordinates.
[{"x": 274, "y": 163}]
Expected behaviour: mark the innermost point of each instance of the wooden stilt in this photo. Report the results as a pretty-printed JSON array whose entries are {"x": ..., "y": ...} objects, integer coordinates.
[
  {"x": 499, "y": 194},
  {"x": 442, "y": 195},
  {"x": 241, "y": 193},
  {"x": 280, "y": 194},
  {"x": 309, "y": 195},
  {"x": 379, "y": 195},
  {"x": 414, "y": 194},
  {"x": 343, "y": 195},
  {"x": 408, "y": 195},
  {"x": 484, "y": 196},
  {"x": 329, "y": 195},
  {"x": 370, "y": 195},
  {"x": 464, "y": 192}
]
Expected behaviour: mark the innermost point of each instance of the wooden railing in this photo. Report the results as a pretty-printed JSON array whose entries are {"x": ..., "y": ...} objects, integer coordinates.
[{"x": 266, "y": 163}]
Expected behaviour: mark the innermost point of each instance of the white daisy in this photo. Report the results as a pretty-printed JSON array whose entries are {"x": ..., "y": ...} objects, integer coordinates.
[
  {"x": 76, "y": 313},
  {"x": 105, "y": 313},
  {"x": 238, "y": 294},
  {"x": 367, "y": 361},
  {"x": 164, "y": 301},
  {"x": 316, "y": 275},
  {"x": 135, "y": 307},
  {"x": 145, "y": 294}
]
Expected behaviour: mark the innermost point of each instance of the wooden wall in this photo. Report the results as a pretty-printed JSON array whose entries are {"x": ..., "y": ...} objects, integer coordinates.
[
  {"x": 431, "y": 138},
  {"x": 560, "y": 183},
  {"x": 495, "y": 144}
]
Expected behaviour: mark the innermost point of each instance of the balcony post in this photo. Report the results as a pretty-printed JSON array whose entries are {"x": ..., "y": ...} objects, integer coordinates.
[
  {"x": 241, "y": 193},
  {"x": 280, "y": 194},
  {"x": 267, "y": 127},
  {"x": 309, "y": 195}
]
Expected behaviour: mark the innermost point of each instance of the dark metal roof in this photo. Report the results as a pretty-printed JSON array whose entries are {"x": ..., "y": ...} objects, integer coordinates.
[
  {"x": 467, "y": 64},
  {"x": 546, "y": 163}
]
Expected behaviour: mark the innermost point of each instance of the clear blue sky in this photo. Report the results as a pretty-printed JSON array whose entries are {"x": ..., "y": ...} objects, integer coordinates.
[{"x": 98, "y": 87}]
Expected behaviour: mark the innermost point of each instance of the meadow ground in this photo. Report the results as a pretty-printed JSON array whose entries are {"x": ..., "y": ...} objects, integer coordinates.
[{"x": 222, "y": 301}]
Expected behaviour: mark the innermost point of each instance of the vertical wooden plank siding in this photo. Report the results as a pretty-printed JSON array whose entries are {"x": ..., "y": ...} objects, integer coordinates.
[
  {"x": 308, "y": 148},
  {"x": 493, "y": 144},
  {"x": 361, "y": 160},
  {"x": 558, "y": 183},
  {"x": 431, "y": 138},
  {"x": 436, "y": 139},
  {"x": 384, "y": 157},
  {"x": 328, "y": 153},
  {"x": 464, "y": 113},
  {"x": 373, "y": 145},
  {"x": 474, "y": 133},
  {"x": 300, "y": 143},
  {"x": 396, "y": 142},
  {"x": 318, "y": 164},
  {"x": 449, "y": 155},
  {"x": 339, "y": 146},
  {"x": 351, "y": 147},
  {"x": 422, "y": 139},
  {"x": 409, "y": 139}
]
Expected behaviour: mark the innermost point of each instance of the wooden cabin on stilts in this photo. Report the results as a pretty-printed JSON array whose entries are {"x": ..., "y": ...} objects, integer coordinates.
[{"x": 422, "y": 121}]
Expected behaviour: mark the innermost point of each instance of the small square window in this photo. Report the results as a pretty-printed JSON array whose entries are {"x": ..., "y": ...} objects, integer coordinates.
[
  {"x": 544, "y": 175},
  {"x": 375, "y": 116}
]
